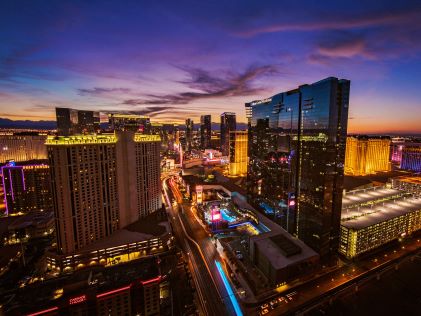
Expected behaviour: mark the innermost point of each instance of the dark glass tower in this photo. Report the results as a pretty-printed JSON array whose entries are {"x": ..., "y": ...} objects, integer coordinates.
[
  {"x": 189, "y": 134},
  {"x": 205, "y": 131},
  {"x": 297, "y": 151},
  {"x": 71, "y": 121},
  {"x": 228, "y": 124}
]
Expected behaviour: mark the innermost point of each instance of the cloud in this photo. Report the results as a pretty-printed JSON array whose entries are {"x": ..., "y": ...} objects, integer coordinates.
[
  {"x": 210, "y": 86},
  {"x": 342, "y": 23},
  {"x": 97, "y": 91},
  {"x": 346, "y": 47}
]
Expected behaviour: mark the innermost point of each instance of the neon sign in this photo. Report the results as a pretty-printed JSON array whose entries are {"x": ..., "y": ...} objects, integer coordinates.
[{"x": 77, "y": 300}]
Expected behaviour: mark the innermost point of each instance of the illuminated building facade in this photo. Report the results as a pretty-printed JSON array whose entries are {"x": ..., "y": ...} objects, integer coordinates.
[
  {"x": 238, "y": 153},
  {"x": 205, "y": 131},
  {"x": 366, "y": 155},
  {"x": 228, "y": 124},
  {"x": 71, "y": 121},
  {"x": 101, "y": 183},
  {"x": 189, "y": 134},
  {"x": 26, "y": 188},
  {"x": 396, "y": 149},
  {"x": 297, "y": 153},
  {"x": 411, "y": 157},
  {"x": 408, "y": 184},
  {"x": 376, "y": 217},
  {"x": 129, "y": 122},
  {"x": 22, "y": 147}
]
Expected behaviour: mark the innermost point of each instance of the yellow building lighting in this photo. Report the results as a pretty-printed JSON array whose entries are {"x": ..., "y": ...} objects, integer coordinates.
[
  {"x": 365, "y": 156},
  {"x": 238, "y": 153}
]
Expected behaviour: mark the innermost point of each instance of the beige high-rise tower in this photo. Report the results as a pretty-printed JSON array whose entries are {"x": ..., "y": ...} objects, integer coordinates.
[{"x": 101, "y": 183}]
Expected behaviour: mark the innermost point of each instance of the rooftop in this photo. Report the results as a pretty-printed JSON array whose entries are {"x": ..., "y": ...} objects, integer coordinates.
[
  {"x": 359, "y": 218},
  {"x": 81, "y": 139},
  {"x": 146, "y": 228},
  {"x": 358, "y": 197},
  {"x": 95, "y": 280},
  {"x": 413, "y": 180}
]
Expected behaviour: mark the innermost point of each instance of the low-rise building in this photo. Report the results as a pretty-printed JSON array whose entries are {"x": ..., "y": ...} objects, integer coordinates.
[
  {"x": 376, "y": 217},
  {"x": 147, "y": 237},
  {"x": 408, "y": 184}
]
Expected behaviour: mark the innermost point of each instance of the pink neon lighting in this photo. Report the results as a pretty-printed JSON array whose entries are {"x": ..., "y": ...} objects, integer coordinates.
[
  {"x": 4, "y": 190},
  {"x": 151, "y": 280},
  {"x": 113, "y": 291},
  {"x": 44, "y": 311}
]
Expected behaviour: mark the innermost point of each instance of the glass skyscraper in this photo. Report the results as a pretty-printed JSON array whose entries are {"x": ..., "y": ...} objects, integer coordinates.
[
  {"x": 228, "y": 124},
  {"x": 205, "y": 131},
  {"x": 297, "y": 150}
]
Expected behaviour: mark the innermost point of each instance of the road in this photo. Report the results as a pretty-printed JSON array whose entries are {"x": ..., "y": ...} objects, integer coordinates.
[
  {"x": 346, "y": 276},
  {"x": 209, "y": 285}
]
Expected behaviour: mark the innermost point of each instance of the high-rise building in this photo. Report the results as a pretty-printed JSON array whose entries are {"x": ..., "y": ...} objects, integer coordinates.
[
  {"x": 238, "y": 153},
  {"x": 367, "y": 155},
  {"x": 411, "y": 157},
  {"x": 26, "y": 188},
  {"x": 205, "y": 131},
  {"x": 297, "y": 153},
  {"x": 396, "y": 149},
  {"x": 228, "y": 124},
  {"x": 101, "y": 183},
  {"x": 138, "y": 172},
  {"x": 129, "y": 122},
  {"x": 189, "y": 134},
  {"x": 22, "y": 147},
  {"x": 72, "y": 122}
]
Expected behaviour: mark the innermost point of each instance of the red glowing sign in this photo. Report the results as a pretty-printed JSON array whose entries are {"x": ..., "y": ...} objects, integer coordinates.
[
  {"x": 292, "y": 203},
  {"x": 77, "y": 300}
]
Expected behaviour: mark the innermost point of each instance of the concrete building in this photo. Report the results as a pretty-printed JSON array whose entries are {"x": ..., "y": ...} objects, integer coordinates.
[
  {"x": 129, "y": 122},
  {"x": 373, "y": 217},
  {"x": 411, "y": 157},
  {"x": 366, "y": 155},
  {"x": 147, "y": 237},
  {"x": 238, "y": 153},
  {"x": 408, "y": 184},
  {"x": 101, "y": 183},
  {"x": 26, "y": 188},
  {"x": 22, "y": 147}
]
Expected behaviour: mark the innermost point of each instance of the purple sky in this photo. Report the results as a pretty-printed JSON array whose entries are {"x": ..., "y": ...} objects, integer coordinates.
[{"x": 178, "y": 59}]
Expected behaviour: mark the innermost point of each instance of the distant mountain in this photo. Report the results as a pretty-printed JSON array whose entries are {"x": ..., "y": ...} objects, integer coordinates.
[{"x": 6, "y": 123}]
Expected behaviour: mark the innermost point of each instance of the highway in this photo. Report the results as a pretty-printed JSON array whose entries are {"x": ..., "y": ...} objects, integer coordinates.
[{"x": 201, "y": 255}]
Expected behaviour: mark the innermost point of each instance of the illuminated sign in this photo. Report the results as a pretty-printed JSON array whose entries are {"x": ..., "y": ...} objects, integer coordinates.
[
  {"x": 261, "y": 101},
  {"x": 77, "y": 300},
  {"x": 291, "y": 200}
]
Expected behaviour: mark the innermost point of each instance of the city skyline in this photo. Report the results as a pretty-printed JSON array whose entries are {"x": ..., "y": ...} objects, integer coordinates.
[{"x": 208, "y": 58}]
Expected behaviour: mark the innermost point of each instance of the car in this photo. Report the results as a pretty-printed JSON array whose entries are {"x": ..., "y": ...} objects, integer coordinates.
[
  {"x": 264, "y": 306},
  {"x": 273, "y": 303},
  {"x": 264, "y": 311}
]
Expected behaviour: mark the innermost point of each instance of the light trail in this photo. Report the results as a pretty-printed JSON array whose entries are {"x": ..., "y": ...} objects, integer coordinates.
[{"x": 231, "y": 294}]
